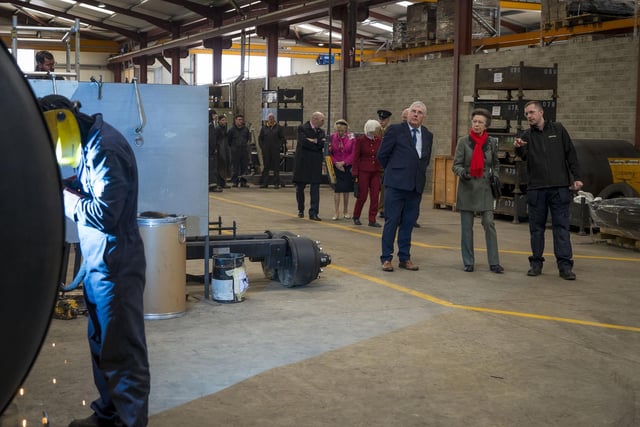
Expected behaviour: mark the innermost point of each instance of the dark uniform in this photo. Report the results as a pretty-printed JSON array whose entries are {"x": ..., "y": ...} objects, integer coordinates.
[
  {"x": 114, "y": 261},
  {"x": 271, "y": 140},
  {"x": 238, "y": 138},
  {"x": 308, "y": 166}
]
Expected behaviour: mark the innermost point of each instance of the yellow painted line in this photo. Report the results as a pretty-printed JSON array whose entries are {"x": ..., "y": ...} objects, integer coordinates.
[
  {"x": 440, "y": 301},
  {"x": 449, "y": 304},
  {"x": 413, "y": 243}
]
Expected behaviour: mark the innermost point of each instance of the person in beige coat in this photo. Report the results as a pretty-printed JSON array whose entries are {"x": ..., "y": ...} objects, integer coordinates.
[{"x": 475, "y": 159}]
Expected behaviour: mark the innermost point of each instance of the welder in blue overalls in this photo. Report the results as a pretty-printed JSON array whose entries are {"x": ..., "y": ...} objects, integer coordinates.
[{"x": 103, "y": 201}]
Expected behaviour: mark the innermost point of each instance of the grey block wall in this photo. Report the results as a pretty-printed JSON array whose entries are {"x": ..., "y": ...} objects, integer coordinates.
[{"x": 597, "y": 83}]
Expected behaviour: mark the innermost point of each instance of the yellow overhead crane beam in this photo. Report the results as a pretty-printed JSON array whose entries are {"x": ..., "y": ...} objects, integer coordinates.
[
  {"x": 520, "y": 5},
  {"x": 86, "y": 45},
  {"x": 531, "y": 38}
]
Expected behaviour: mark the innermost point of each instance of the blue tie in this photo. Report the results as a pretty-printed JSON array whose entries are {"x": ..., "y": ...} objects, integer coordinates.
[{"x": 415, "y": 136}]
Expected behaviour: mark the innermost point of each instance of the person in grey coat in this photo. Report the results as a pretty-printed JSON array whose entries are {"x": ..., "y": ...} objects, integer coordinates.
[{"x": 475, "y": 159}]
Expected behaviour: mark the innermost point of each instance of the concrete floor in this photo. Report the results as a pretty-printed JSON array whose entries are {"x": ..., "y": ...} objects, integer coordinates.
[{"x": 359, "y": 346}]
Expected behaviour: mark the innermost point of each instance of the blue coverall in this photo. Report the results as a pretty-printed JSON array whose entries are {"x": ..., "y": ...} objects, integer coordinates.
[{"x": 113, "y": 254}]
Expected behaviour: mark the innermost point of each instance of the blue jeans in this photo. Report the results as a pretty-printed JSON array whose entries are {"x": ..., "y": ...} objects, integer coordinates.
[{"x": 557, "y": 201}]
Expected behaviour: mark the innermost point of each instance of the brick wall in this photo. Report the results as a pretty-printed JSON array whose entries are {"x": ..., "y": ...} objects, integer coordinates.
[{"x": 597, "y": 83}]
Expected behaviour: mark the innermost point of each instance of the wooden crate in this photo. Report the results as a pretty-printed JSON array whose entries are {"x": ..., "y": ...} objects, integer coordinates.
[
  {"x": 618, "y": 238},
  {"x": 445, "y": 183}
]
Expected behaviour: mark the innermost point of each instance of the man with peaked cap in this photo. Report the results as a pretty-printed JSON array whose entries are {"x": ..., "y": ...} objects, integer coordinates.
[
  {"x": 384, "y": 119},
  {"x": 103, "y": 200}
]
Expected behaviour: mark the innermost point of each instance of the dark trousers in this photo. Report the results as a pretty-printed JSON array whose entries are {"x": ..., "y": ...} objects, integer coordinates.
[
  {"x": 118, "y": 346},
  {"x": 314, "y": 192},
  {"x": 557, "y": 201},
  {"x": 239, "y": 166},
  {"x": 400, "y": 213},
  {"x": 271, "y": 162}
]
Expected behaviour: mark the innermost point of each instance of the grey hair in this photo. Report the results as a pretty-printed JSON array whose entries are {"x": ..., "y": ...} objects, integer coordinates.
[{"x": 371, "y": 126}]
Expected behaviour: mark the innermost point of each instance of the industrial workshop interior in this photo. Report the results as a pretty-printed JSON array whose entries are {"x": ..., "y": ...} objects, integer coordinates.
[{"x": 254, "y": 312}]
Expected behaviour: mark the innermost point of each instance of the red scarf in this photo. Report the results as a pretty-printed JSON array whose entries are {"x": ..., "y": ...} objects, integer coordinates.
[{"x": 477, "y": 158}]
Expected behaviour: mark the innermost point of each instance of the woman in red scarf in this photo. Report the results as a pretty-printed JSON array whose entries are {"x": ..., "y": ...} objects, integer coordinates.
[{"x": 476, "y": 158}]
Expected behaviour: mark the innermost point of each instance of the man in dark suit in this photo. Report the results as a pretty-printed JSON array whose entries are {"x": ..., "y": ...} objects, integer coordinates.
[
  {"x": 405, "y": 153},
  {"x": 308, "y": 163}
]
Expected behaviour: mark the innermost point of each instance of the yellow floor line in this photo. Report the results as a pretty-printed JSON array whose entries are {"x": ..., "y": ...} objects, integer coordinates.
[
  {"x": 413, "y": 243},
  {"x": 449, "y": 304},
  {"x": 442, "y": 302}
]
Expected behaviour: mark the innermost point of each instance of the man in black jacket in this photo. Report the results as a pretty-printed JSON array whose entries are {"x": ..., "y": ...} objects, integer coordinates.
[
  {"x": 238, "y": 137},
  {"x": 308, "y": 163},
  {"x": 553, "y": 170},
  {"x": 271, "y": 141}
]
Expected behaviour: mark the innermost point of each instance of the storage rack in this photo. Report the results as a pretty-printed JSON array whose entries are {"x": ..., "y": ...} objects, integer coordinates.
[{"x": 507, "y": 109}]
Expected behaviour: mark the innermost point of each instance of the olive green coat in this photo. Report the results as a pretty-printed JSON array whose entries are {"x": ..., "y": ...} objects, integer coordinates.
[{"x": 474, "y": 194}]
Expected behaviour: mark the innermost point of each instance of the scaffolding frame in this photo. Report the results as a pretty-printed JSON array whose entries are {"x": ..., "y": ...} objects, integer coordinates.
[{"x": 69, "y": 33}]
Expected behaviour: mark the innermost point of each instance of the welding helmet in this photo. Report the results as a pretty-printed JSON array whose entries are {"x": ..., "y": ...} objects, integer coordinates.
[{"x": 59, "y": 115}]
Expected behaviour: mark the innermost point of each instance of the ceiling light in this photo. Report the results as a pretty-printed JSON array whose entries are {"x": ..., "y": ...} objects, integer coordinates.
[
  {"x": 404, "y": 3},
  {"x": 100, "y": 9},
  {"x": 310, "y": 28},
  {"x": 382, "y": 26}
]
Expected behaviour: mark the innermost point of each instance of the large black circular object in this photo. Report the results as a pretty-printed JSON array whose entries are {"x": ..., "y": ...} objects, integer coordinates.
[
  {"x": 593, "y": 157},
  {"x": 31, "y": 228}
]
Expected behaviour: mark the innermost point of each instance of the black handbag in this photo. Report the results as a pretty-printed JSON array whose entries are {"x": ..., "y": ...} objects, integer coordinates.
[
  {"x": 496, "y": 186},
  {"x": 494, "y": 181}
]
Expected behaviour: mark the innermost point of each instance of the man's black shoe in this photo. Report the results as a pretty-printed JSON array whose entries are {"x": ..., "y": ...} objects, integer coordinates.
[
  {"x": 567, "y": 275},
  {"x": 497, "y": 268},
  {"x": 300, "y": 214},
  {"x": 94, "y": 421},
  {"x": 374, "y": 224},
  {"x": 534, "y": 271},
  {"x": 468, "y": 268},
  {"x": 315, "y": 218},
  {"x": 356, "y": 221}
]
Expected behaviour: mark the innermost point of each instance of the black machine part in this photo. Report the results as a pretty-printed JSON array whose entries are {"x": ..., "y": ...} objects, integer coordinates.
[
  {"x": 33, "y": 235},
  {"x": 291, "y": 259}
]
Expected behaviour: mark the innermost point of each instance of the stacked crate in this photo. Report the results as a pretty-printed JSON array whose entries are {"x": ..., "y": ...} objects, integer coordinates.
[
  {"x": 486, "y": 18},
  {"x": 502, "y": 92},
  {"x": 421, "y": 24},
  {"x": 564, "y": 13}
]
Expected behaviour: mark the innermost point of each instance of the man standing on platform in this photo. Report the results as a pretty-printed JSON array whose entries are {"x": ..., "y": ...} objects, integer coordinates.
[{"x": 405, "y": 153}]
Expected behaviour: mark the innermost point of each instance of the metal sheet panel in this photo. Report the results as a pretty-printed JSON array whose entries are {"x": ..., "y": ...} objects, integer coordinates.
[{"x": 173, "y": 154}]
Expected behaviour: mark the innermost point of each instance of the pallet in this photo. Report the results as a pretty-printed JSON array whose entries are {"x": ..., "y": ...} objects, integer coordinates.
[
  {"x": 586, "y": 19},
  {"x": 618, "y": 238},
  {"x": 451, "y": 207}
]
